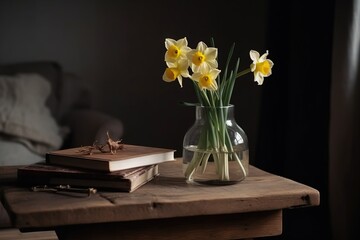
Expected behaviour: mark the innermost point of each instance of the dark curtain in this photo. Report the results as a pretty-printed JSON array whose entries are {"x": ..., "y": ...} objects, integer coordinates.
[
  {"x": 293, "y": 136},
  {"x": 345, "y": 122}
]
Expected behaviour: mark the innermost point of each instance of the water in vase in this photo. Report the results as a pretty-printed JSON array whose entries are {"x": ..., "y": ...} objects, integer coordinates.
[{"x": 215, "y": 167}]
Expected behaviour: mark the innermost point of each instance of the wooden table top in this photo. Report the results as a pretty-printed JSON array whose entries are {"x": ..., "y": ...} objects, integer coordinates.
[{"x": 166, "y": 196}]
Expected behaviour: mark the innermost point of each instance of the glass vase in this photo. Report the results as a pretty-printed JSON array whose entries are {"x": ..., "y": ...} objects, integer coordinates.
[{"x": 215, "y": 148}]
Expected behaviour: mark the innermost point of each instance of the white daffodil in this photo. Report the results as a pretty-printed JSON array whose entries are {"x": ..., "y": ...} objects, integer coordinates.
[
  {"x": 176, "y": 70},
  {"x": 176, "y": 49},
  {"x": 203, "y": 57},
  {"x": 260, "y": 66},
  {"x": 206, "y": 78}
]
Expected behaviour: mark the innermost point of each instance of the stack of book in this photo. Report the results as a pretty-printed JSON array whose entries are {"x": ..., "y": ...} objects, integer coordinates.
[{"x": 126, "y": 170}]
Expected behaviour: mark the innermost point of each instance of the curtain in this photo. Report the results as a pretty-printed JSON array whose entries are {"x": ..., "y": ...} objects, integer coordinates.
[{"x": 344, "y": 177}]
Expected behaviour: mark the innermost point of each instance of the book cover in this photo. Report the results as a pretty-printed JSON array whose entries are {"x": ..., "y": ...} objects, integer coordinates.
[
  {"x": 124, "y": 180},
  {"x": 129, "y": 156}
]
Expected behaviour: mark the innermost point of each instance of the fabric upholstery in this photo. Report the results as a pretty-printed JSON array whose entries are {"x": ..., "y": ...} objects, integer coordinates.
[
  {"x": 24, "y": 114},
  {"x": 48, "y": 69}
]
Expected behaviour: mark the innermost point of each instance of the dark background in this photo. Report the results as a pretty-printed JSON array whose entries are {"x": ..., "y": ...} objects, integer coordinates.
[
  {"x": 117, "y": 47},
  {"x": 295, "y": 108}
]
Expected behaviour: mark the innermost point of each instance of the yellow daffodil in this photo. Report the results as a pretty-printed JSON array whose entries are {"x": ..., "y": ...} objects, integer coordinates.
[
  {"x": 206, "y": 79},
  {"x": 260, "y": 66},
  {"x": 203, "y": 57},
  {"x": 176, "y": 49},
  {"x": 176, "y": 70},
  {"x": 214, "y": 94}
]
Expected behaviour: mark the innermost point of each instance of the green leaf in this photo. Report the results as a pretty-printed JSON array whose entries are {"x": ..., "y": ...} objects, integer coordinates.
[
  {"x": 228, "y": 60},
  {"x": 232, "y": 83},
  {"x": 189, "y": 104},
  {"x": 227, "y": 89},
  {"x": 212, "y": 42}
]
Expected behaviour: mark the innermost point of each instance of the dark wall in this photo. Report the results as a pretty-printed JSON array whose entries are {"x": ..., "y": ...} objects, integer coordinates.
[{"x": 118, "y": 48}]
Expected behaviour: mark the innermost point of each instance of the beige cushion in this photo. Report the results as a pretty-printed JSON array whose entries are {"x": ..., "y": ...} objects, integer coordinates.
[
  {"x": 50, "y": 70},
  {"x": 24, "y": 114}
]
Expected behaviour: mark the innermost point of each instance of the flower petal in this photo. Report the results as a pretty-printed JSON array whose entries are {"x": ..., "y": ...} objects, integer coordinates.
[
  {"x": 264, "y": 56},
  {"x": 201, "y": 47},
  {"x": 196, "y": 76},
  {"x": 252, "y": 67},
  {"x": 179, "y": 78},
  {"x": 182, "y": 42},
  {"x": 270, "y": 62},
  {"x": 212, "y": 63},
  {"x": 211, "y": 53},
  {"x": 214, "y": 73},
  {"x": 171, "y": 64},
  {"x": 254, "y": 55},
  {"x": 258, "y": 78},
  {"x": 169, "y": 42}
]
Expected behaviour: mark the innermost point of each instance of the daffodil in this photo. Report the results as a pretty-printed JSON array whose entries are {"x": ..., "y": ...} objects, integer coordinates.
[
  {"x": 176, "y": 49},
  {"x": 261, "y": 67},
  {"x": 214, "y": 94},
  {"x": 203, "y": 57},
  {"x": 206, "y": 79},
  {"x": 176, "y": 70}
]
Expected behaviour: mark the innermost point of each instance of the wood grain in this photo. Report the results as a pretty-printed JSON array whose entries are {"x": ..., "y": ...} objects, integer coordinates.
[
  {"x": 229, "y": 226},
  {"x": 167, "y": 196}
]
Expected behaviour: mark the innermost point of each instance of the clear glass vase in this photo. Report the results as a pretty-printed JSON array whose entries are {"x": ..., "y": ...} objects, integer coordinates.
[{"x": 215, "y": 148}]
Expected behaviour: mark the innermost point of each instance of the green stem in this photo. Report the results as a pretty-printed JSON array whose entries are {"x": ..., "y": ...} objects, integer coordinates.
[{"x": 243, "y": 72}]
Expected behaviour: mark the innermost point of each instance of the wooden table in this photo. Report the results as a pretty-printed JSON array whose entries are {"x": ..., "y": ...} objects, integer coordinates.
[{"x": 165, "y": 208}]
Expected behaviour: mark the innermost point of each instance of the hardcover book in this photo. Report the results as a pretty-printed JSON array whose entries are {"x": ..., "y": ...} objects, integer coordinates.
[
  {"x": 129, "y": 156},
  {"x": 124, "y": 180}
]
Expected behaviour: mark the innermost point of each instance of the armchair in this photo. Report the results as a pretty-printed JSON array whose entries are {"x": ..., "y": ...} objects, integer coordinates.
[{"x": 57, "y": 113}]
